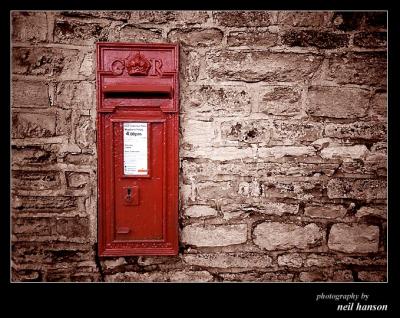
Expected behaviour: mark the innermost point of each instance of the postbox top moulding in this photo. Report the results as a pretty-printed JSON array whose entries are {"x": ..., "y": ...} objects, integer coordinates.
[
  {"x": 150, "y": 68},
  {"x": 143, "y": 54}
]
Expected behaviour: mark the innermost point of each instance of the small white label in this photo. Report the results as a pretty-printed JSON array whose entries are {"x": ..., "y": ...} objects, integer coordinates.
[{"x": 135, "y": 148}]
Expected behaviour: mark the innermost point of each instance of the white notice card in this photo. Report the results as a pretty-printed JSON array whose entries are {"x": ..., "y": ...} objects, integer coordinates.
[{"x": 135, "y": 148}]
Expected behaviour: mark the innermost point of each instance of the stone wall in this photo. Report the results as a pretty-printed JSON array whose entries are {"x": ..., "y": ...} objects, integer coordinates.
[{"x": 282, "y": 145}]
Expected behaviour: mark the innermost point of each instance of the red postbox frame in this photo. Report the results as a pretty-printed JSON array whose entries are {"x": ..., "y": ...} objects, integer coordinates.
[{"x": 149, "y": 69}]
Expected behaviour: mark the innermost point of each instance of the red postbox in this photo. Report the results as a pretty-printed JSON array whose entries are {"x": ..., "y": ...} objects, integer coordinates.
[{"x": 137, "y": 138}]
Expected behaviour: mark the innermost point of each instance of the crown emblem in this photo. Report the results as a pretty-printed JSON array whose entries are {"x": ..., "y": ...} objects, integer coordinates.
[{"x": 138, "y": 65}]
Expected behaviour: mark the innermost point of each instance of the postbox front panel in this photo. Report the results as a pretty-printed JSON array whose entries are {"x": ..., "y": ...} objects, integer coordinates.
[{"x": 138, "y": 152}]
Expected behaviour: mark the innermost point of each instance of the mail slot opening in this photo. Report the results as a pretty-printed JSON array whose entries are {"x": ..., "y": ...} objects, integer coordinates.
[{"x": 136, "y": 95}]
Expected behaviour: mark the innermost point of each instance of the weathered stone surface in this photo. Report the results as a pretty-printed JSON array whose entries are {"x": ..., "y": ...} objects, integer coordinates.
[
  {"x": 372, "y": 276},
  {"x": 280, "y": 100},
  {"x": 345, "y": 152},
  {"x": 343, "y": 276},
  {"x": 196, "y": 37},
  {"x": 252, "y": 38},
  {"x": 190, "y": 276},
  {"x": 32, "y": 226},
  {"x": 379, "y": 104},
  {"x": 370, "y": 39},
  {"x": 347, "y": 21},
  {"x": 84, "y": 134},
  {"x": 325, "y": 211},
  {"x": 258, "y": 277},
  {"x": 246, "y": 132},
  {"x": 196, "y": 211},
  {"x": 134, "y": 33},
  {"x": 114, "y": 263},
  {"x": 77, "y": 180},
  {"x": 197, "y": 133},
  {"x": 29, "y": 26},
  {"x": 282, "y": 236},
  {"x": 242, "y": 18},
  {"x": 322, "y": 40},
  {"x": 360, "y": 130},
  {"x": 32, "y": 155},
  {"x": 380, "y": 212},
  {"x": 224, "y": 153},
  {"x": 285, "y": 151},
  {"x": 364, "y": 68},
  {"x": 290, "y": 260},
  {"x": 190, "y": 17},
  {"x": 256, "y": 66},
  {"x": 214, "y": 235},
  {"x": 304, "y": 18},
  {"x": 156, "y": 260},
  {"x": 33, "y": 125},
  {"x": 304, "y": 190},
  {"x": 241, "y": 260},
  {"x": 35, "y": 180},
  {"x": 337, "y": 102},
  {"x": 46, "y": 61},
  {"x": 205, "y": 170},
  {"x": 156, "y": 17},
  {"x": 73, "y": 227},
  {"x": 109, "y": 14},
  {"x": 355, "y": 238},
  {"x": 367, "y": 189},
  {"x": 217, "y": 101},
  {"x": 319, "y": 261},
  {"x": 79, "y": 159},
  {"x": 44, "y": 203},
  {"x": 79, "y": 32},
  {"x": 74, "y": 94},
  {"x": 312, "y": 277},
  {"x": 63, "y": 122},
  {"x": 30, "y": 94},
  {"x": 173, "y": 276}
]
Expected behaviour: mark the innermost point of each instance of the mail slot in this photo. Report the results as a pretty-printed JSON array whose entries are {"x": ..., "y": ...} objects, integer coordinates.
[{"x": 137, "y": 141}]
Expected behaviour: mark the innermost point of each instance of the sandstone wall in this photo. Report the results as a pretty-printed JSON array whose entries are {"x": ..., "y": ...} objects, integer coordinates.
[{"x": 282, "y": 145}]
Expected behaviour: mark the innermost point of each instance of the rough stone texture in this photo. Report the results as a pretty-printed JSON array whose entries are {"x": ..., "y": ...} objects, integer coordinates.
[
  {"x": 324, "y": 40},
  {"x": 325, "y": 211},
  {"x": 357, "y": 189},
  {"x": 282, "y": 236},
  {"x": 30, "y": 94},
  {"x": 242, "y": 18},
  {"x": 252, "y": 38},
  {"x": 33, "y": 125},
  {"x": 29, "y": 26},
  {"x": 372, "y": 211},
  {"x": 214, "y": 235},
  {"x": 337, "y": 102},
  {"x": 283, "y": 154},
  {"x": 196, "y": 211},
  {"x": 290, "y": 260},
  {"x": 303, "y": 19},
  {"x": 364, "y": 68},
  {"x": 372, "y": 276},
  {"x": 256, "y": 66},
  {"x": 197, "y": 37},
  {"x": 370, "y": 39},
  {"x": 246, "y": 261},
  {"x": 345, "y": 152},
  {"x": 280, "y": 100},
  {"x": 360, "y": 130},
  {"x": 356, "y": 238}
]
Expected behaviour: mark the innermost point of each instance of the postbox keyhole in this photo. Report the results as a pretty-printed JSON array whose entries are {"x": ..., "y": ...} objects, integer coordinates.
[{"x": 129, "y": 191}]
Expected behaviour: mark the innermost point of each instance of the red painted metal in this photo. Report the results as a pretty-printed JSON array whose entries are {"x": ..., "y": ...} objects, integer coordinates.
[{"x": 138, "y": 213}]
